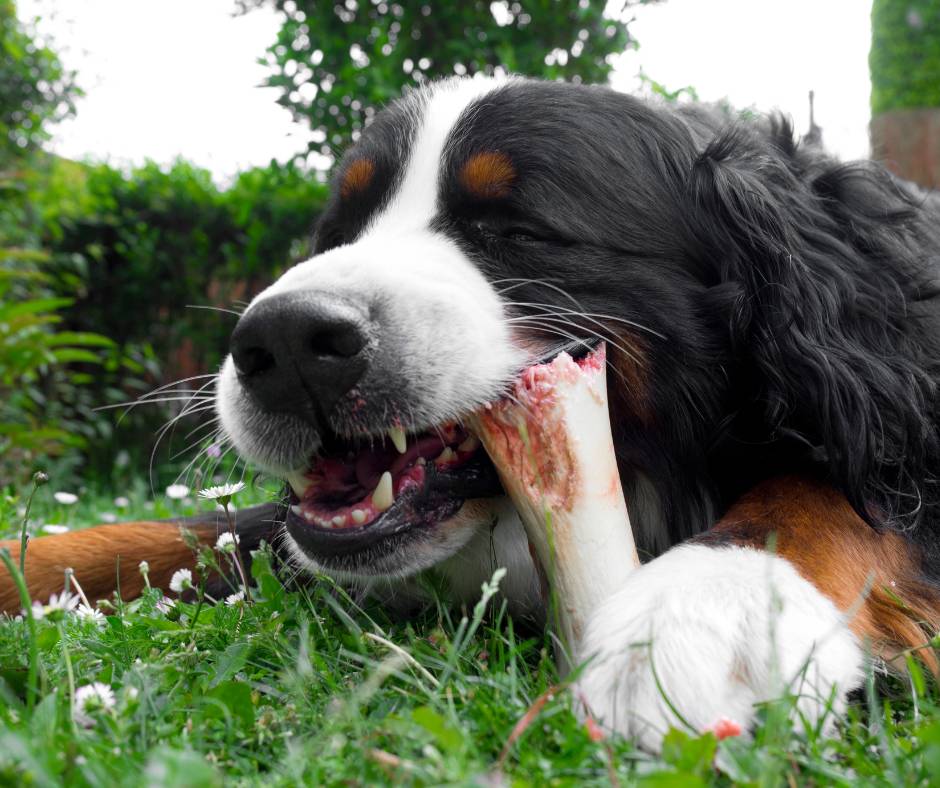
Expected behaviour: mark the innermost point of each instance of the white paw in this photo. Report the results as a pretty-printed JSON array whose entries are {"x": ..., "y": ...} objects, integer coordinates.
[{"x": 707, "y": 633}]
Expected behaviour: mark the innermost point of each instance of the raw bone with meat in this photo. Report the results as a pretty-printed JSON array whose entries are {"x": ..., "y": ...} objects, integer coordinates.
[{"x": 552, "y": 446}]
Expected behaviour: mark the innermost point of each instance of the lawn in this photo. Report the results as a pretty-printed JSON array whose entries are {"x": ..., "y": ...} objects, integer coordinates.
[{"x": 307, "y": 686}]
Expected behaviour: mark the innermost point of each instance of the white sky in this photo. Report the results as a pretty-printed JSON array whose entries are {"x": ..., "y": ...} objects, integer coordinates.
[{"x": 167, "y": 78}]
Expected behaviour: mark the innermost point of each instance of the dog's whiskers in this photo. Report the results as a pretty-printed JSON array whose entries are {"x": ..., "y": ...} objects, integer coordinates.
[
  {"x": 221, "y": 309},
  {"x": 551, "y": 326}
]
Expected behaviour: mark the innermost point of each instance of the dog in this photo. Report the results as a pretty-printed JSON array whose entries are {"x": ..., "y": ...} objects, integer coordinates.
[{"x": 773, "y": 337}]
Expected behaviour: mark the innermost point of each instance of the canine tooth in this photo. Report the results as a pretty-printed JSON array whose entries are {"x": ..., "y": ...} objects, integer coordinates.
[
  {"x": 383, "y": 497},
  {"x": 339, "y": 521},
  {"x": 397, "y": 436},
  {"x": 472, "y": 443},
  {"x": 296, "y": 510},
  {"x": 298, "y": 482},
  {"x": 445, "y": 456},
  {"x": 421, "y": 461},
  {"x": 358, "y": 516}
]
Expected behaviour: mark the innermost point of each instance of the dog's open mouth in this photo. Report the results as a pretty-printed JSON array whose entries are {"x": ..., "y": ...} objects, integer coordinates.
[{"x": 357, "y": 492}]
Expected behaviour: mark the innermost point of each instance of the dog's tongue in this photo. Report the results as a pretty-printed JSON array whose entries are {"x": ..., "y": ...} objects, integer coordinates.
[{"x": 552, "y": 446}]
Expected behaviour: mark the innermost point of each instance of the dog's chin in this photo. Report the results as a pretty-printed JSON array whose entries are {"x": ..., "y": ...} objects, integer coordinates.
[{"x": 394, "y": 556}]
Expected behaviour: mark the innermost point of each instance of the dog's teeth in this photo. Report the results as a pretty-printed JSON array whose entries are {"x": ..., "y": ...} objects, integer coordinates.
[
  {"x": 397, "y": 436},
  {"x": 298, "y": 482},
  {"x": 383, "y": 497},
  {"x": 309, "y": 517},
  {"x": 358, "y": 516},
  {"x": 421, "y": 461},
  {"x": 339, "y": 521},
  {"x": 296, "y": 510},
  {"x": 472, "y": 443},
  {"x": 445, "y": 457}
]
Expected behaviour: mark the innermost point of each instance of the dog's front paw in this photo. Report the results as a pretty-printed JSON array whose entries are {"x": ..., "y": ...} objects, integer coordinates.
[{"x": 705, "y": 633}]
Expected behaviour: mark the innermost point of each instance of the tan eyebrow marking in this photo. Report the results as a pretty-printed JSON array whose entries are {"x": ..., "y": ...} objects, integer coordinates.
[
  {"x": 357, "y": 177},
  {"x": 488, "y": 174}
]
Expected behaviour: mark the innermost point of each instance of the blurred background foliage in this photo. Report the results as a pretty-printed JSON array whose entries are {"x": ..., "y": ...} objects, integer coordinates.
[
  {"x": 98, "y": 263},
  {"x": 905, "y": 54}
]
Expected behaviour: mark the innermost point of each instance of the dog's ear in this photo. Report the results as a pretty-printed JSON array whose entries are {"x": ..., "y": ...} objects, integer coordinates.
[{"x": 821, "y": 320}]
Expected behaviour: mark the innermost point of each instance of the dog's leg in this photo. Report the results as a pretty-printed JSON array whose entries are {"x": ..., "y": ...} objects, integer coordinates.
[
  {"x": 108, "y": 556},
  {"x": 778, "y": 598}
]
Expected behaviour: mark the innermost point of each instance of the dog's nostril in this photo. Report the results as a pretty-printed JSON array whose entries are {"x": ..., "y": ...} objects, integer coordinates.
[
  {"x": 346, "y": 342},
  {"x": 252, "y": 361}
]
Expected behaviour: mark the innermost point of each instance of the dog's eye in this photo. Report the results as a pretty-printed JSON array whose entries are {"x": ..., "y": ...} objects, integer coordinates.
[
  {"x": 520, "y": 234},
  {"x": 514, "y": 232}
]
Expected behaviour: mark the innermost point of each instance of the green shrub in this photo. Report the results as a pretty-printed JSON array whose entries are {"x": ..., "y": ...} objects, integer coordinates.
[
  {"x": 33, "y": 352},
  {"x": 905, "y": 54}
]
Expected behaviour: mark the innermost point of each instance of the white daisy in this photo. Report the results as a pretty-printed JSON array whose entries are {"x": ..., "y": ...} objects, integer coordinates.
[
  {"x": 226, "y": 542},
  {"x": 65, "y": 498},
  {"x": 177, "y": 491},
  {"x": 92, "y": 697},
  {"x": 108, "y": 517},
  {"x": 182, "y": 578},
  {"x": 235, "y": 598},
  {"x": 164, "y": 605},
  {"x": 57, "y": 606},
  {"x": 55, "y": 528},
  {"x": 121, "y": 502},
  {"x": 143, "y": 567},
  {"x": 90, "y": 614},
  {"x": 221, "y": 491}
]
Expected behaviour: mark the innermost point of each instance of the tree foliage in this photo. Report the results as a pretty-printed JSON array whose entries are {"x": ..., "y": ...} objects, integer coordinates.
[
  {"x": 336, "y": 62},
  {"x": 905, "y": 54},
  {"x": 35, "y": 88}
]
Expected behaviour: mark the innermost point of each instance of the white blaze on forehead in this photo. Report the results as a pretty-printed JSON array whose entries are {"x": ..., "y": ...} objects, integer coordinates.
[
  {"x": 437, "y": 320},
  {"x": 398, "y": 242},
  {"x": 438, "y": 111}
]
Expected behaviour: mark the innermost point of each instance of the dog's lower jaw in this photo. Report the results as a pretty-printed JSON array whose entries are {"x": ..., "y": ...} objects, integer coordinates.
[
  {"x": 464, "y": 551},
  {"x": 705, "y": 633}
]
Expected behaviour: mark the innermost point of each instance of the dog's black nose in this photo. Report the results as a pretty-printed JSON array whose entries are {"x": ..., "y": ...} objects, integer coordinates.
[{"x": 300, "y": 352}]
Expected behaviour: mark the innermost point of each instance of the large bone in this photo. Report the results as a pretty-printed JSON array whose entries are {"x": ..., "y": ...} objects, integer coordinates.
[{"x": 552, "y": 446}]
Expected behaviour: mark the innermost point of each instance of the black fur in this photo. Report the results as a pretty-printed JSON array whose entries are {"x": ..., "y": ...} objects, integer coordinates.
[{"x": 786, "y": 303}]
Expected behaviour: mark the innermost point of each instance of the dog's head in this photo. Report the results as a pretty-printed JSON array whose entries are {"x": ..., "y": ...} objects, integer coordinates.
[{"x": 477, "y": 226}]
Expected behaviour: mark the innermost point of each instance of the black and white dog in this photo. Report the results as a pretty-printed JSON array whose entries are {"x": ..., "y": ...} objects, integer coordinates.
[{"x": 773, "y": 335}]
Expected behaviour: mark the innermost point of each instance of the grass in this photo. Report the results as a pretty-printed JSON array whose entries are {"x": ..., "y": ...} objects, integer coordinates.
[{"x": 307, "y": 687}]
